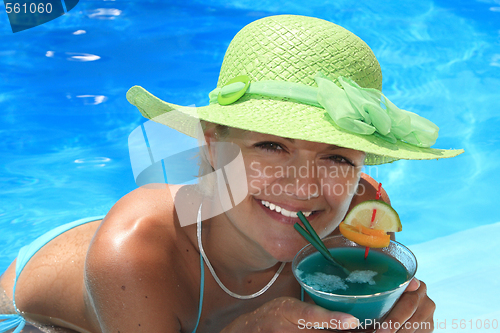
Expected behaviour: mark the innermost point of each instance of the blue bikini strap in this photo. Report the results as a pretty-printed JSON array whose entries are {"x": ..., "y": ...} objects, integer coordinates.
[
  {"x": 10, "y": 321},
  {"x": 202, "y": 283},
  {"x": 25, "y": 254}
]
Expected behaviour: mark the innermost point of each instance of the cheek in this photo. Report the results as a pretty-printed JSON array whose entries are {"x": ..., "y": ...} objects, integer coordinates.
[
  {"x": 259, "y": 177},
  {"x": 339, "y": 184},
  {"x": 339, "y": 191}
]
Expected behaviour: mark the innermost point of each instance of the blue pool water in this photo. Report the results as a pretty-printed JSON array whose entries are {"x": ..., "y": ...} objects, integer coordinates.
[{"x": 64, "y": 119}]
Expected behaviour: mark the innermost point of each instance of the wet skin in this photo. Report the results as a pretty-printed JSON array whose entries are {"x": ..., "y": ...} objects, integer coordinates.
[{"x": 138, "y": 269}]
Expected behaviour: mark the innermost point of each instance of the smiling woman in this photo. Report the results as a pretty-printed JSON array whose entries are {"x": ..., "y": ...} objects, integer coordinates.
[
  {"x": 296, "y": 113},
  {"x": 288, "y": 175}
]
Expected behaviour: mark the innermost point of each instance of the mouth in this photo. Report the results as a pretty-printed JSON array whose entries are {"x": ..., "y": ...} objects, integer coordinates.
[{"x": 282, "y": 214}]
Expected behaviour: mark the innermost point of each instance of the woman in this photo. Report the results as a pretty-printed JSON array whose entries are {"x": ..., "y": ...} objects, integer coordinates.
[{"x": 296, "y": 114}]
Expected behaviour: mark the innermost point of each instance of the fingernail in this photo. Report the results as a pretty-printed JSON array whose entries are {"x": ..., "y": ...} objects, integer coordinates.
[
  {"x": 417, "y": 281},
  {"x": 349, "y": 322}
]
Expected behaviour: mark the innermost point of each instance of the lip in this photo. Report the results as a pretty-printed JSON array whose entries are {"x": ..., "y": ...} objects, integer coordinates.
[{"x": 281, "y": 218}]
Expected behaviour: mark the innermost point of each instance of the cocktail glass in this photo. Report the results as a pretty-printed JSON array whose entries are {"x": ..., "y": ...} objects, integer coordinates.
[{"x": 370, "y": 309}]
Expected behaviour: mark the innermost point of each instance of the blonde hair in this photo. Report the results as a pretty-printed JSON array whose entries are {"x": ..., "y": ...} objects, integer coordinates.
[{"x": 206, "y": 175}]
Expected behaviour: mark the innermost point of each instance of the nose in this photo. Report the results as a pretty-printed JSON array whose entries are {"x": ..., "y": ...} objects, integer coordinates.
[{"x": 301, "y": 181}]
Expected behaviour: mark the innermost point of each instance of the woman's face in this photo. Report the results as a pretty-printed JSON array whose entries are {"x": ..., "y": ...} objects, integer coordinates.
[{"x": 285, "y": 176}]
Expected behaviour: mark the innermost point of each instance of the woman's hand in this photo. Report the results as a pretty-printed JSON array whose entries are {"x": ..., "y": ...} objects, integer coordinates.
[
  {"x": 412, "y": 313},
  {"x": 288, "y": 315}
]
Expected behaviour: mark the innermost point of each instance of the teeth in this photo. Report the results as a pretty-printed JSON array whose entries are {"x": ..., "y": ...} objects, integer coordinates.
[{"x": 282, "y": 211}]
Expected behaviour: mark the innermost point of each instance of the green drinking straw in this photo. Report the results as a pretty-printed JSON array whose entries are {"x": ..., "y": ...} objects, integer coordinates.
[
  {"x": 311, "y": 231},
  {"x": 313, "y": 238}
]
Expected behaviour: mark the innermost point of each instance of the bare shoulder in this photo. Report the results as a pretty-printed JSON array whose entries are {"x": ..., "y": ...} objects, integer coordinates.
[
  {"x": 137, "y": 224},
  {"x": 138, "y": 263},
  {"x": 137, "y": 214}
]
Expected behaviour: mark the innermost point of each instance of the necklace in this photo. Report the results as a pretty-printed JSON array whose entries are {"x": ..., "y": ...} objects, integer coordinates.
[{"x": 216, "y": 278}]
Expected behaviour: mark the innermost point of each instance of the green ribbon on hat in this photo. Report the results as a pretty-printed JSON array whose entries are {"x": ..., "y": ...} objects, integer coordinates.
[{"x": 355, "y": 109}]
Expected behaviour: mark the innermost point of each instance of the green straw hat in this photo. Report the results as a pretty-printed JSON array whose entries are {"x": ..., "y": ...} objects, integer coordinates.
[{"x": 304, "y": 78}]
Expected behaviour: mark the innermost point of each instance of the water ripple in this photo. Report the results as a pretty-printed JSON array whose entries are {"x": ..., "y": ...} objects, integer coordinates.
[
  {"x": 73, "y": 56},
  {"x": 19, "y": 181},
  {"x": 104, "y": 13},
  {"x": 82, "y": 56},
  {"x": 95, "y": 162},
  {"x": 495, "y": 60},
  {"x": 92, "y": 99}
]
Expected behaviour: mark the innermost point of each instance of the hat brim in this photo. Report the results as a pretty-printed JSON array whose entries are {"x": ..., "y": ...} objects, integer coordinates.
[{"x": 282, "y": 118}]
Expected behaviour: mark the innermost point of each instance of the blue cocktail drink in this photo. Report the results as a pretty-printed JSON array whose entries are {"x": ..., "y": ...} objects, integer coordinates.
[{"x": 370, "y": 290}]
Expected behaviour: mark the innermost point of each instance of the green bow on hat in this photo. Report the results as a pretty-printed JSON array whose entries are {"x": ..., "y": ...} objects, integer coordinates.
[
  {"x": 355, "y": 109},
  {"x": 308, "y": 79}
]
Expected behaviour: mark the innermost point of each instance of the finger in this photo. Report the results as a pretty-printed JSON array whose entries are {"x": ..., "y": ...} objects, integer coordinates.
[
  {"x": 301, "y": 314},
  {"x": 413, "y": 285},
  {"x": 422, "y": 320},
  {"x": 420, "y": 326},
  {"x": 414, "y": 326},
  {"x": 404, "y": 309}
]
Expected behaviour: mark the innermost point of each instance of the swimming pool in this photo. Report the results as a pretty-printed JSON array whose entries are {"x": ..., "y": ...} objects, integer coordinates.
[{"x": 65, "y": 120}]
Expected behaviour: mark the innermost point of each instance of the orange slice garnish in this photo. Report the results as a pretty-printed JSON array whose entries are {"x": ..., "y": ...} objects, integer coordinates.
[{"x": 365, "y": 236}]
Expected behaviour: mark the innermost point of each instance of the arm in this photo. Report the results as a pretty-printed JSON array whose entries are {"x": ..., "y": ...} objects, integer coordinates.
[
  {"x": 288, "y": 315},
  {"x": 136, "y": 283},
  {"x": 118, "y": 296},
  {"x": 125, "y": 271}
]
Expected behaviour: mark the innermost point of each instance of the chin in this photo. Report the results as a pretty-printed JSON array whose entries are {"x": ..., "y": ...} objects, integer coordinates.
[{"x": 286, "y": 252}]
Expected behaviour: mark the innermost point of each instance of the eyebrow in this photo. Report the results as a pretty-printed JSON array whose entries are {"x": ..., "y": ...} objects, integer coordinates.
[
  {"x": 334, "y": 147},
  {"x": 330, "y": 147}
]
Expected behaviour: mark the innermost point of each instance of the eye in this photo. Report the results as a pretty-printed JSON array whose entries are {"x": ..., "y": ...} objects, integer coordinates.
[
  {"x": 340, "y": 159},
  {"x": 270, "y": 146}
]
